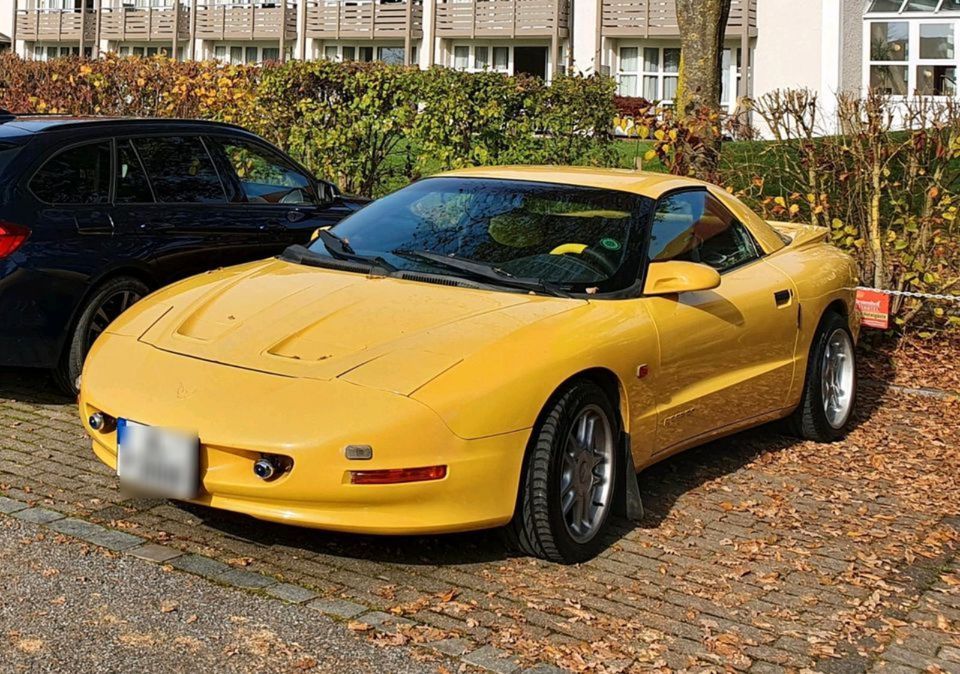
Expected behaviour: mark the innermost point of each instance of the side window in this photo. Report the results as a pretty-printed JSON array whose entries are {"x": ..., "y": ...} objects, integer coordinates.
[
  {"x": 265, "y": 176},
  {"x": 132, "y": 184},
  {"x": 80, "y": 175},
  {"x": 180, "y": 170},
  {"x": 695, "y": 227}
]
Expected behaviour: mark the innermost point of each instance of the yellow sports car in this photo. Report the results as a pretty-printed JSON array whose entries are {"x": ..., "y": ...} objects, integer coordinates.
[{"x": 488, "y": 347}]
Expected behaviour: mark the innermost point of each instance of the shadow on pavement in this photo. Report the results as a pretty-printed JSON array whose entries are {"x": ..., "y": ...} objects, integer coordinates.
[
  {"x": 661, "y": 486},
  {"x": 34, "y": 387}
]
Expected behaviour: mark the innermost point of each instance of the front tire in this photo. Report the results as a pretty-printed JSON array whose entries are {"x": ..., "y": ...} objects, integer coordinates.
[
  {"x": 107, "y": 303},
  {"x": 830, "y": 389},
  {"x": 568, "y": 482}
]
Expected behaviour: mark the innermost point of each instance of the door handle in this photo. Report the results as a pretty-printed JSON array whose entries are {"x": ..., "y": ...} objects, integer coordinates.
[
  {"x": 155, "y": 227},
  {"x": 782, "y": 297}
]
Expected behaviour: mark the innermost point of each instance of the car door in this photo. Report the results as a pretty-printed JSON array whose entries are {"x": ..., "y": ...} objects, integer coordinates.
[
  {"x": 274, "y": 196},
  {"x": 726, "y": 355},
  {"x": 169, "y": 194},
  {"x": 70, "y": 192}
]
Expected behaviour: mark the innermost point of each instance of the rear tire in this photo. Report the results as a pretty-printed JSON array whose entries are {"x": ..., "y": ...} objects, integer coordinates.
[
  {"x": 567, "y": 487},
  {"x": 107, "y": 302},
  {"x": 830, "y": 388}
]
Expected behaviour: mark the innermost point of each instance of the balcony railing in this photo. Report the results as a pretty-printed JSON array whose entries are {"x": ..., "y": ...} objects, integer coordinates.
[
  {"x": 658, "y": 18},
  {"x": 333, "y": 19},
  {"x": 502, "y": 18},
  {"x": 247, "y": 21},
  {"x": 55, "y": 25},
  {"x": 143, "y": 24}
]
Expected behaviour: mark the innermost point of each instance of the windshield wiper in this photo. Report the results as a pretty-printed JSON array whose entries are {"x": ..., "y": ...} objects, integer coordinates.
[
  {"x": 485, "y": 271},
  {"x": 342, "y": 250}
]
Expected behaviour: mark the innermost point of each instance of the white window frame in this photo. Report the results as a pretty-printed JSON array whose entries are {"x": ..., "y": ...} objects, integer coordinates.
[
  {"x": 641, "y": 73},
  {"x": 913, "y": 61},
  {"x": 41, "y": 51},
  {"x": 321, "y": 52},
  {"x": 903, "y": 11},
  {"x": 227, "y": 48},
  {"x": 472, "y": 66},
  {"x": 143, "y": 50}
]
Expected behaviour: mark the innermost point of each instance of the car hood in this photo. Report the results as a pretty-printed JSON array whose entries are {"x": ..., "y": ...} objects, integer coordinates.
[{"x": 299, "y": 321}]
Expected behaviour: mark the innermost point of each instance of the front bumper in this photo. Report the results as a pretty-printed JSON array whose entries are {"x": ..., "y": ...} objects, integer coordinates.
[{"x": 241, "y": 414}]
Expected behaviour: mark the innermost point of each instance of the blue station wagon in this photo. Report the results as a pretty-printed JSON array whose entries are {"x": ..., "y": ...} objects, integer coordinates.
[{"x": 97, "y": 212}]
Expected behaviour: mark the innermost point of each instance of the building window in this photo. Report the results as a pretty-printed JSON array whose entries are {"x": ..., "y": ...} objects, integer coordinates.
[
  {"x": 141, "y": 51},
  {"x": 391, "y": 54},
  {"x": 43, "y": 52},
  {"x": 902, "y": 6},
  {"x": 730, "y": 77},
  {"x": 912, "y": 57},
  {"x": 480, "y": 57},
  {"x": 649, "y": 72},
  {"x": 889, "y": 55},
  {"x": 238, "y": 54}
]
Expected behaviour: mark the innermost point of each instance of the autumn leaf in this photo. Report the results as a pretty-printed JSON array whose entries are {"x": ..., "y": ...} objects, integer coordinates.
[{"x": 357, "y": 626}]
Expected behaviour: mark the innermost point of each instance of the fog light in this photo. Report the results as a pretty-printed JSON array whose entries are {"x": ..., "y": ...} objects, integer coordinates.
[
  {"x": 97, "y": 421},
  {"x": 398, "y": 475},
  {"x": 265, "y": 468}
]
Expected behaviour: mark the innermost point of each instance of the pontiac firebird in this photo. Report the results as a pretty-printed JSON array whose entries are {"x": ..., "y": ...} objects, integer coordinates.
[{"x": 489, "y": 347}]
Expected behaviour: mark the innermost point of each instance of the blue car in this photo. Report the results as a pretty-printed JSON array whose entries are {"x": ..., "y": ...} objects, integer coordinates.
[{"x": 97, "y": 212}]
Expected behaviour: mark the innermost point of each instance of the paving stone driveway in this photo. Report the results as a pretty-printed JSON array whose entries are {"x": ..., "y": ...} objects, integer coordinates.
[{"x": 758, "y": 553}]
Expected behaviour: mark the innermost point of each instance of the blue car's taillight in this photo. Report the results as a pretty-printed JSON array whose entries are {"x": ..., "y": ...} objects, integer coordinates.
[{"x": 11, "y": 237}]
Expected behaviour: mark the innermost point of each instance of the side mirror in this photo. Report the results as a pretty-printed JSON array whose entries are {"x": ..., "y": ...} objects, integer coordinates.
[
  {"x": 327, "y": 192},
  {"x": 670, "y": 278}
]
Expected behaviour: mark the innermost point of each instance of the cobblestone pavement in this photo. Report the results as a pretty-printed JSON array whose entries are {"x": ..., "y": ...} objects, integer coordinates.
[{"x": 758, "y": 553}]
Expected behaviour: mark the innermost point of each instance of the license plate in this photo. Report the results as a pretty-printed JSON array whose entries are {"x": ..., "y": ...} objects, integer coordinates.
[{"x": 157, "y": 461}]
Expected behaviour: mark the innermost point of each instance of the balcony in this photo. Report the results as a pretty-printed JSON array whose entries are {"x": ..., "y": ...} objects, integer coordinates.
[
  {"x": 57, "y": 25},
  {"x": 261, "y": 21},
  {"x": 658, "y": 18},
  {"x": 143, "y": 24},
  {"x": 333, "y": 19},
  {"x": 502, "y": 18}
]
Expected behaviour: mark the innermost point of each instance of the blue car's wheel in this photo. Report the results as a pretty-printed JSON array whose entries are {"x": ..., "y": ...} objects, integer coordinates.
[{"x": 106, "y": 304}]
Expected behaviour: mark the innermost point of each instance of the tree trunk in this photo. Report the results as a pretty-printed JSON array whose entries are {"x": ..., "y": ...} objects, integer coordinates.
[{"x": 703, "y": 24}]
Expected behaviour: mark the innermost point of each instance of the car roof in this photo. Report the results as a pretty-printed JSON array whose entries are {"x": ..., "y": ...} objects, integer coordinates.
[
  {"x": 625, "y": 180},
  {"x": 32, "y": 124}
]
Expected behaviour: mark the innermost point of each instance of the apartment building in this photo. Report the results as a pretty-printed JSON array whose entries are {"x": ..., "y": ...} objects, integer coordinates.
[{"x": 901, "y": 47}]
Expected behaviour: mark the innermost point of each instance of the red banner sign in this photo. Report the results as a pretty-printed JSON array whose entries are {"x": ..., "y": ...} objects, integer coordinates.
[{"x": 874, "y": 309}]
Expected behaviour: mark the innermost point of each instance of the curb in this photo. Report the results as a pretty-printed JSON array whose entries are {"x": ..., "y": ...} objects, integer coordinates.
[
  {"x": 922, "y": 391},
  {"x": 463, "y": 650}
]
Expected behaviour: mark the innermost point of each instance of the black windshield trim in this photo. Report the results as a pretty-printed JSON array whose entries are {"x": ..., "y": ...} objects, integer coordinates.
[{"x": 622, "y": 283}]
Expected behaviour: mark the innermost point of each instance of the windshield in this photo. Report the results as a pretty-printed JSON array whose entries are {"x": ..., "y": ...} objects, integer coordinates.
[{"x": 580, "y": 238}]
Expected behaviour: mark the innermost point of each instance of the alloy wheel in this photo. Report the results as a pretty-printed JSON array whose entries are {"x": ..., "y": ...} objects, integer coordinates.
[
  {"x": 837, "y": 378},
  {"x": 109, "y": 310},
  {"x": 586, "y": 479}
]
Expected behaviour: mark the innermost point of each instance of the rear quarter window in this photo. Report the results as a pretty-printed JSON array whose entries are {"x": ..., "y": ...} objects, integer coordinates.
[
  {"x": 78, "y": 175},
  {"x": 7, "y": 152}
]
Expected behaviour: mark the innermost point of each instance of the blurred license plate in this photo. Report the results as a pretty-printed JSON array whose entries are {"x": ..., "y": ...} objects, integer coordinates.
[{"x": 157, "y": 461}]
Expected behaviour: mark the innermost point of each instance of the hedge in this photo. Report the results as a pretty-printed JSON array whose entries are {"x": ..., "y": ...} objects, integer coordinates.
[{"x": 366, "y": 126}]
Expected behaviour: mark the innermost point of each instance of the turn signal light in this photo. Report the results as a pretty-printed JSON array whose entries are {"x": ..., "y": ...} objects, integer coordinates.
[
  {"x": 11, "y": 237},
  {"x": 398, "y": 475}
]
